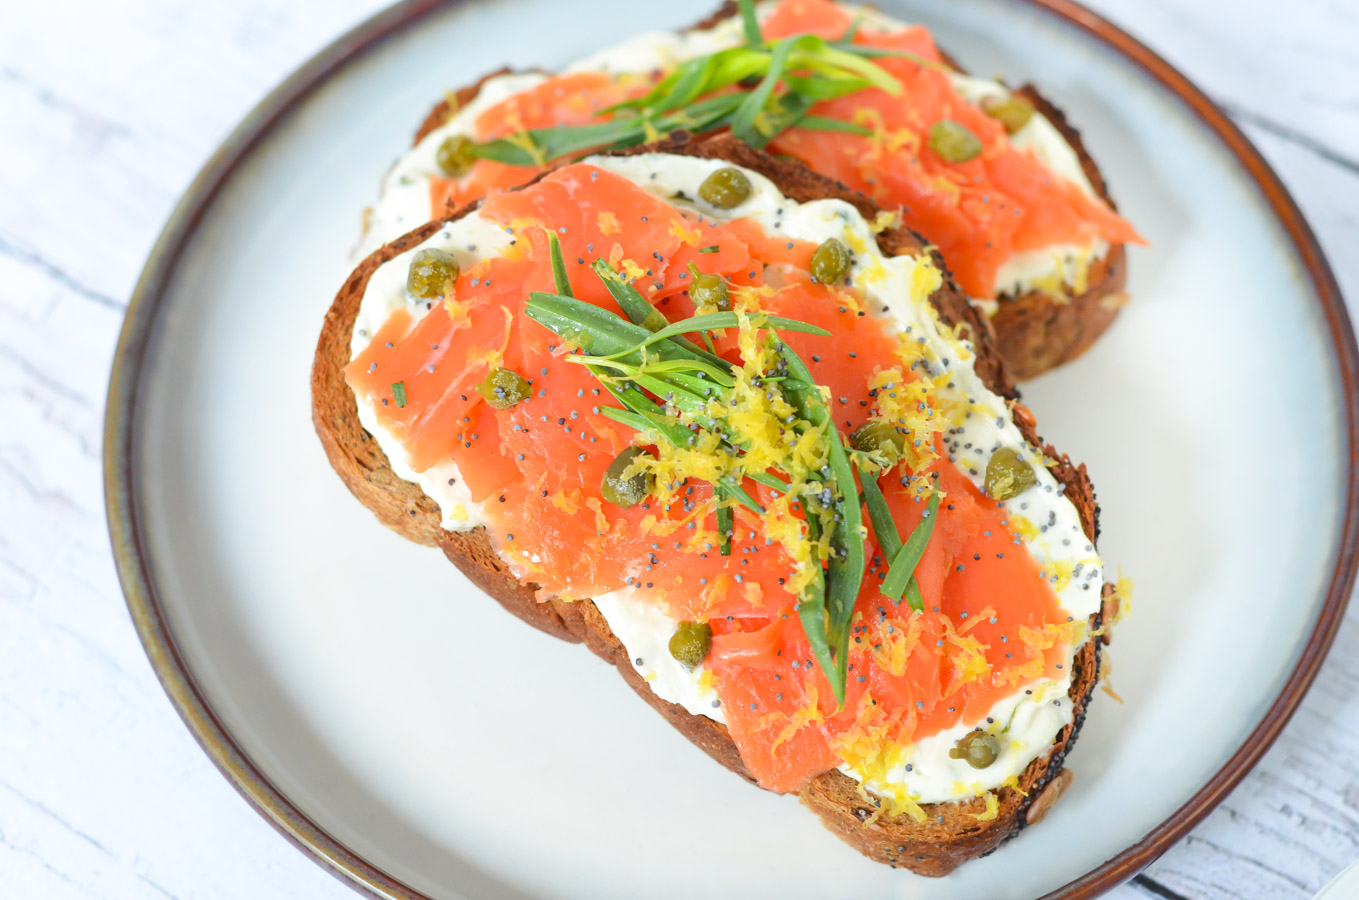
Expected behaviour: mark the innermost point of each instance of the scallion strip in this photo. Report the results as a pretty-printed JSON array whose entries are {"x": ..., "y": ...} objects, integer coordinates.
[
  {"x": 642, "y": 311},
  {"x": 749, "y": 23},
  {"x": 845, "y": 568},
  {"x": 884, "y": 529},
  {"x": 554, "y": 249},
  {"x": 908, "y": 557},
  {"x": 720, "y": 320}
]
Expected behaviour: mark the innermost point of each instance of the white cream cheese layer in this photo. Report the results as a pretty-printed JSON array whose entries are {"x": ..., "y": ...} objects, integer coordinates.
[
  {"x": 471, "y": 238},
  {"x": 979, "y": 424},
  {"x": 404, "y": 201}
]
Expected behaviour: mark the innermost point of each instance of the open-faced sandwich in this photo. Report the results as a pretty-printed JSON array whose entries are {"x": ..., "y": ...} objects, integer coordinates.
[
  {"x": 720, "y": 419},
  {"x": 995, "y": 178}
]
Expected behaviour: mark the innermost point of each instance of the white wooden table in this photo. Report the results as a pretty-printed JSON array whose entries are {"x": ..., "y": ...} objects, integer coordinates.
[{"x": 106, "y": 112}]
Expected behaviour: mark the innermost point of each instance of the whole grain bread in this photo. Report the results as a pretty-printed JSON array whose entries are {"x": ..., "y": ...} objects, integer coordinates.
[
  {"x": 1035, "y": 331},
  {"x": 951, "y": 833}
]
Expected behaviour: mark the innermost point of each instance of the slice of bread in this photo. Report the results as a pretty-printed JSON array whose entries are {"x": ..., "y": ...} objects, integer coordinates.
[
  {"x": 1035, "y": 331},
  {"x": 951, "y": 833}
]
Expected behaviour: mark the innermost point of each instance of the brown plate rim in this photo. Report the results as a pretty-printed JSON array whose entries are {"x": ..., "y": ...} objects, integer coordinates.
[{"x": 149, "y": 618}]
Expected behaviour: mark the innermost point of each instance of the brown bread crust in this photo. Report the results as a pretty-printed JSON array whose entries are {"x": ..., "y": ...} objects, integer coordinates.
[{"x": 950, "y": 834}]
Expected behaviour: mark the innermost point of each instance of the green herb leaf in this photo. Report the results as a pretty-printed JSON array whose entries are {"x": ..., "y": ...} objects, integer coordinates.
[
  {"x": 712, "y": 249},
  {"x": 913, "y": 598},
  {"x": 729, "y": 486},
  {"x": 845, "y": 568},
  {"x": 769, "y": 480},
  {"x": 845, "y": 572},
  {"x": 726, "y": 525},
  {"x": 597, "y": 331},
  {"x": 749, "y": 23},
  {"x": 824, "y": 87},
  {"x": 841, "y": 60},
  {"x": 399, "y": 394},
  {"x": 854, "y": 27},
  {"x": 641, "y": 406},
  {"x": 867, "y": 52},
  {"x": 558, "y": 265},
  {"x": 884, "y": 528},
  {"x": 642, "y": 312},
  {"x": 744, "y": 119},
  {"x": 720, "y": 320},
  {"x": 811, "y": 612},
  {"x": 907, "y": 558},
  {"x": 821, "y": 123}
]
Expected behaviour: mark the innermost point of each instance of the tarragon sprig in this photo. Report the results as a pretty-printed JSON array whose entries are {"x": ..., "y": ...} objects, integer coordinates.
[{"x": 706, "y": 94}]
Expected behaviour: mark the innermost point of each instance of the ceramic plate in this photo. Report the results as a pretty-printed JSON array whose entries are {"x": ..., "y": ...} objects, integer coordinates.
[{"x": 394, "y": 722}]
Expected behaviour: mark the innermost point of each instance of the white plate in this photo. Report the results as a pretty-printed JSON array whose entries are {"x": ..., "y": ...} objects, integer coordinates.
[
  {"x": 1344, "y": 886},
  {"x": 395, "y": 721}
]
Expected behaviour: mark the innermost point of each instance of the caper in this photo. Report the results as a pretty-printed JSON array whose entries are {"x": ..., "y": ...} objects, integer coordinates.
[
  {"x": 622, "y": 488},
  {"x": 725, "y": 188},
  {"x": 978, "y": 748},
  {"x": 1011, "y": 111},
  {"x": 1008, "y": 475},
  {"x": 454, "y": 155},
  {"x": 690, "y": 643},
  {"x": 503, "y": 388},
  {"x": 953, "y": 142},
  {"x": 881, "y": 438},
  {"x": 432, "y": 274},
  {"x": 708, "y": 290},
  {"x": 830, "y": 261}
]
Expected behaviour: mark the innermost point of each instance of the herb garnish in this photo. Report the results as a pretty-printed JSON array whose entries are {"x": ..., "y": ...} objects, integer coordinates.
[
  {"x": 667, "y": 386},
  {"x": 399, "y": 394},
  {"x": 790, "y": 75}
]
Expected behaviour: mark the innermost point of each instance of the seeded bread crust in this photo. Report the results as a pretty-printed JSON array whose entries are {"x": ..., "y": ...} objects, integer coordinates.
[
  {"x": 1039, "y": 330},
  {"x": 1035, "y": 331},
  {"x": 951, "y": 833}
]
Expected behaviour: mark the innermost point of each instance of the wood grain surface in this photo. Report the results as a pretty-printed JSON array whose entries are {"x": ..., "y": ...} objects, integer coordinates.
[{"x": 106, "y": 112}]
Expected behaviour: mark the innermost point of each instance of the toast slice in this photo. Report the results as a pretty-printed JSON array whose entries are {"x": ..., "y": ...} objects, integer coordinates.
[
  {"x": 1036, "y": 330},
  {"x": 951, "y": 832}
]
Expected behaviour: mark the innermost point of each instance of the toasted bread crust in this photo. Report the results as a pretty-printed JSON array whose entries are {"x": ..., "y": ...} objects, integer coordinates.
[
  {"x": 1039, "y": 330},
  {"x": 950, "y": 834}
]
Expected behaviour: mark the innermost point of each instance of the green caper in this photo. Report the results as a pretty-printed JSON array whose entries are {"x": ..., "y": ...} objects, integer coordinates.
[
  {"x": 454, "y": 156},
  {"x": 978, "y": 748},
  {"x": 625, "y": 488},
  {"x": 830, "y": 261},
  {"x": 503, "y": 388},
  {"x": 726, "y": 188},
  {"x": 1011, "y": 111},
  {"x": 953, "y": 142},
  {"x": 881, "y": 438},
  {"x": 707, "y": 290},
  {"x": 1008, "y": 475},
  {"x": 690, "y": 643},
  {"x": 432, "y": 274}
]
